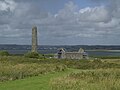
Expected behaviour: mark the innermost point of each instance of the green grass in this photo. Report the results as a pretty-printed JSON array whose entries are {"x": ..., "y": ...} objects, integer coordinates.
[
  {"x": 106, "y": 57},
  {"x": 101, "y": 79},
  {"x": 21, "y": 73},
  {"x": 13, "y": 68},
  {"x": 70, "y": 79},
  {"x": 41, "y": 82}
]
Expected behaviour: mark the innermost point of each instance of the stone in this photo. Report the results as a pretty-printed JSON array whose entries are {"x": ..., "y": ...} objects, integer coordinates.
[
  {"x": 81, "y": 54},
  {"x": 34, "y": 39}
]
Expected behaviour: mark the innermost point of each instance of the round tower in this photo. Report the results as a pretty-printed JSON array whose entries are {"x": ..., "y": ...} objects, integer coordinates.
[{"x": 34, "y": 39}]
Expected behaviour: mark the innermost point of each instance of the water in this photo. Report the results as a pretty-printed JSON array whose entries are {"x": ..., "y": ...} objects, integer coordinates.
[
  {"x": 90, "y": 53},
  {"x": 103, "y": 53},
  {"x": 22, "y": 49}
]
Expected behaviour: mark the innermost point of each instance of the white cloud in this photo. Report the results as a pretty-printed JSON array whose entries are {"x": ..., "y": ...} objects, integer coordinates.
[
  {"x": 112, "y": 24},
  {"x": 68, "y": 23},
  {"x": 7, "y": 5},
  {"x": 96, "y": 14},
  {"x": 85, "y": 22}
]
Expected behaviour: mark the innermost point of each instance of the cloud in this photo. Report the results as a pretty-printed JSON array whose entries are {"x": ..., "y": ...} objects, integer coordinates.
[
  {"x": 7, "y": 5},
  {"x": 69, "y": 23},
  {"x": 96, "y": 14}
]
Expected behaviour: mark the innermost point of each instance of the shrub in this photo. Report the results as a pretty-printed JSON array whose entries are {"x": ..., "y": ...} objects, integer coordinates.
[
  {"x": 4, "y": 53},
  {"x": 32, "y": 55}
]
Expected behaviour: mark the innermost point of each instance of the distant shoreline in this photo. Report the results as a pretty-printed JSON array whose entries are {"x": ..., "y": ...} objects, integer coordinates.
[{"x": 104, "y": 50}]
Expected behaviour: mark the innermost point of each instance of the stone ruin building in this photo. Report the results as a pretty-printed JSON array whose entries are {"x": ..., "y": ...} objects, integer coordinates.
[{"x": 62, "y": 54}]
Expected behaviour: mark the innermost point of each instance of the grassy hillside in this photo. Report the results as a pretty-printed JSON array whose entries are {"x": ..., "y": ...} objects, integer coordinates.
[
  {"x": 15, "y": 67},
  {"x": 20, "y": 73},
  {"x": 100, "y": 79},
  {"x": 41, "y": 82}
]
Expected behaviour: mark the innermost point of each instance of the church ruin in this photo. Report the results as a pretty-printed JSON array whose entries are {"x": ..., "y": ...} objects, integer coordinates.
[
  {"x": 62, "y": 54},
  {"x": 34, "y": 39}
]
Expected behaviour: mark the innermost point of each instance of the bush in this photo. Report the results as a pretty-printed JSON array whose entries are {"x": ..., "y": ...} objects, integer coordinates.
[
  {"x": 32, "y": 55},
  {"x": 4, "y": 53}
]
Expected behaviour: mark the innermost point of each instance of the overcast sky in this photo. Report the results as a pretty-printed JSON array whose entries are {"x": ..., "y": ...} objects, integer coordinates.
[{"x": 60, "y": 22}]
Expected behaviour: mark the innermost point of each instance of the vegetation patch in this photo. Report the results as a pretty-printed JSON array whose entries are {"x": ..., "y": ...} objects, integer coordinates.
[
  {"x": 33, "y": 55},
  {"x": 12, "y": 68},
  {"x": 89, "y": 64},
  {"x": 107, "y": 57},
  {"x": 101, "y": 79},
  {"x": 93, "y": 74},
  {"x": 4, "y": 53}
]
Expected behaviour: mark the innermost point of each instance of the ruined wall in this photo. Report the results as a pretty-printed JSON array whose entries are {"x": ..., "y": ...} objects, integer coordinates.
[{"x": 73, "y": 55}]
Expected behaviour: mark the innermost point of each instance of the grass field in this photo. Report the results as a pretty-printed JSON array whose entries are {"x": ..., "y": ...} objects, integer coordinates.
[
  {"x": 41, "y": 82},
  {"x": 20, "y": 73},
  {"x": 108, "y": 79}
]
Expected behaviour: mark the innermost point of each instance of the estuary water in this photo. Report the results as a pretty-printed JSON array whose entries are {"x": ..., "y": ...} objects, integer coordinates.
[
  {"x": 95, "y": 50},
  {"x": 90, "y": 53}
]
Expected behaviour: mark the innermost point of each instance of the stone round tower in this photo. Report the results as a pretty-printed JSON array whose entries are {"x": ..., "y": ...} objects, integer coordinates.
[{"x": 34, "y": 39}]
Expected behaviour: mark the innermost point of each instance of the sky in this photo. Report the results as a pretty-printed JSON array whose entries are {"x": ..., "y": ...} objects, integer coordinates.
[{"x": 60, "y": 22}]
